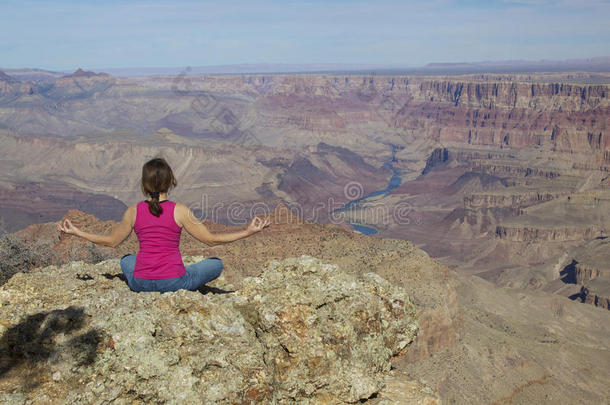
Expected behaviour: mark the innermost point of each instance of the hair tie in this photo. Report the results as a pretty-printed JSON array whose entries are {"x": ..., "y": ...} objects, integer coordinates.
[{"x": 154, "y": 195}]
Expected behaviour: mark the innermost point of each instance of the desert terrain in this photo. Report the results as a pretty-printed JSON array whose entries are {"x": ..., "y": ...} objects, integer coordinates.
[{"x": 483, "y": 196}]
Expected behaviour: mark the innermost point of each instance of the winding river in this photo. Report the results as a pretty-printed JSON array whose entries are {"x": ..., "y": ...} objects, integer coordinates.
[{"x": 394, "y": 182}]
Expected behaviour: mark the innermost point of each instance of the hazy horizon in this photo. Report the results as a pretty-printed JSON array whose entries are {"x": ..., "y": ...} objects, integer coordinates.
[{"x": 593, "y": 64}]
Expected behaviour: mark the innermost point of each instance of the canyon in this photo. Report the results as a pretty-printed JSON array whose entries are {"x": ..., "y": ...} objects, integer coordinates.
[
  {"x": 501, "y": 175},
  {"x": 485, "y": 196}
]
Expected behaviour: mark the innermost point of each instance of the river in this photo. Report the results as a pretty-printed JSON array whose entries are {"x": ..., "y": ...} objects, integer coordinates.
[{"x": 393, "y": 183}]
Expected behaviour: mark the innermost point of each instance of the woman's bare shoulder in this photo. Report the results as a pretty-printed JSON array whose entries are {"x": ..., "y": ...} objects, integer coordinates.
[
  {"x": 181, "y": 213},
  {"x": 181, "y": 207},
  {"x": 132, "y": 209}
]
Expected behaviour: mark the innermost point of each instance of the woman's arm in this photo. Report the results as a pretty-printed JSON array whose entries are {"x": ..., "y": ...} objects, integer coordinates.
[
  {"x": 118, "y": 234},
  {"x": 199, "y": 231}
]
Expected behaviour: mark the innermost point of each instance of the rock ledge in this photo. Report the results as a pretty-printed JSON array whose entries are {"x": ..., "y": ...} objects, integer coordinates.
[{"x": 301, "y": 331}]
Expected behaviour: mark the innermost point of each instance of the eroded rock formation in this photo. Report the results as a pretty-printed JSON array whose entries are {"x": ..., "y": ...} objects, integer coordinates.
[{"x": 502, "y": 174}]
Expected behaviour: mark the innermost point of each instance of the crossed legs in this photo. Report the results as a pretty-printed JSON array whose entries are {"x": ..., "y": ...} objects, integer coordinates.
[{"x": 197, "y": 274}]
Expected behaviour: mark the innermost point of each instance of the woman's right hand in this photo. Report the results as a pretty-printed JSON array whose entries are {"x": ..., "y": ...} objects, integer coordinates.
[
  {"x": 258, "y": 224},
  {"x": 67, "y": 227}
]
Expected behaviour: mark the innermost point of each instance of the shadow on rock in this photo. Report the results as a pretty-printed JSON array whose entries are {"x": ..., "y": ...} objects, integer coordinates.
[
  {"x": 120, "y": 276},
  {"x": 568, "y": 273},
  {"x": 206, "y": 289},
  {"x": 47, "y": 337}
]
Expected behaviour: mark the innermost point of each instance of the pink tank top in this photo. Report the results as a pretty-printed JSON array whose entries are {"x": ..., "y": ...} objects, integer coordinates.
[{"x": 159, "y": 255}]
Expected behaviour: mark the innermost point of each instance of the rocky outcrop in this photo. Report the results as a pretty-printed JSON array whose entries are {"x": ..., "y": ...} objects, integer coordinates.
[
  {"x": 12, "y": 88},
  {"x": 584, "y": 272},
  {"x": 78, "y": 85},
  {"x": 596, "y": 292},
  {"x": 521, "y": 200},
  {"x": 85, "y": 74},
  {"x": 461, "y": 320},
  {"x": 438, "y": 157},
  {"x": 301, "y": 331},
  {"x": 8, "y": 84},
  {"x": 531, "y": 234},
  {"x": 510, "y": 170},
  {"x": 589, "y": 270},
  {"x": 324, "y": 332},
  {"x": 543, "y": 96}
]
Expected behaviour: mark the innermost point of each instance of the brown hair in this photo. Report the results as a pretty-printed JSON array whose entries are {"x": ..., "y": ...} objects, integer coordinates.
[{"x": 157, "y": 177}]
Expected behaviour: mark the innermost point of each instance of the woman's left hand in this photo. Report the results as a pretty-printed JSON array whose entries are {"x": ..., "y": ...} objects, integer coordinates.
[{"x": 67, "y": 227}]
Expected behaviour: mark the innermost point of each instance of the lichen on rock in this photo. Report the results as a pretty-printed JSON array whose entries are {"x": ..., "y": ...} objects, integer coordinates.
[
  {"x": 326, "y": 334},
  {"x": 301, "y": 331}
]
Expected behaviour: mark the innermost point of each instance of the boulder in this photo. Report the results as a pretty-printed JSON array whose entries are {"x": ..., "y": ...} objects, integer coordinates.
[{"x": 301, "y": 331}]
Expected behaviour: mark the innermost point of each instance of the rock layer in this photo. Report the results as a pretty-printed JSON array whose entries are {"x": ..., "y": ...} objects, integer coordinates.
[{"x": 596, "y": 292}]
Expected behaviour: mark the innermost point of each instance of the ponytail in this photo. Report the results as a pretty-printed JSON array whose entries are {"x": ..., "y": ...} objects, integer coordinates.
[{"x": 154, "y": 206}]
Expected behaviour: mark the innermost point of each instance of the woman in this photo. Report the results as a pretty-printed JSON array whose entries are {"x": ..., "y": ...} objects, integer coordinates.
[{"x": 158, "y": 223}]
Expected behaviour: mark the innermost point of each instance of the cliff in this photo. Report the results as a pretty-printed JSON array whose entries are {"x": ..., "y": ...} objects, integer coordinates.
[
  {"x": 530, "y": 234},
  {"x": 498, "y": 111},
  {"x": 589, "y": 270},
  {"x": 517, "y": 200},
  {"x": 596, "y": 292},
  {"x": 585, "y": 272}
]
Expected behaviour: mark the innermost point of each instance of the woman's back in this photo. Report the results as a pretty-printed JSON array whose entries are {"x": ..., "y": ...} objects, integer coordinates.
[
  {"x": 158, "y": 224},
  {"x": 159, "y": 237}
]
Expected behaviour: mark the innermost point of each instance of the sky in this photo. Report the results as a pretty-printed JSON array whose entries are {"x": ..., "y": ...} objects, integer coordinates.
[{"x": 66, "y": 34}]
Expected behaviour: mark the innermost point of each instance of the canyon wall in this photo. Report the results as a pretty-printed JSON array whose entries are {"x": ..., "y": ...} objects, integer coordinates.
[
  {"x": 489, "y": 163},
  {"x": 465, "y": 110},
  {"x": 530, "y": 234}
]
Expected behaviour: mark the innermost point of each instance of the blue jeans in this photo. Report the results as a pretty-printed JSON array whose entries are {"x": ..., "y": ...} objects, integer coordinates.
[{"x": 197, "y": 274}]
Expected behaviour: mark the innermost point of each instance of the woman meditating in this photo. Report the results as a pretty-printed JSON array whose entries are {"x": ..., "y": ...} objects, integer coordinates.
[{"x": 158, "y": 223}]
